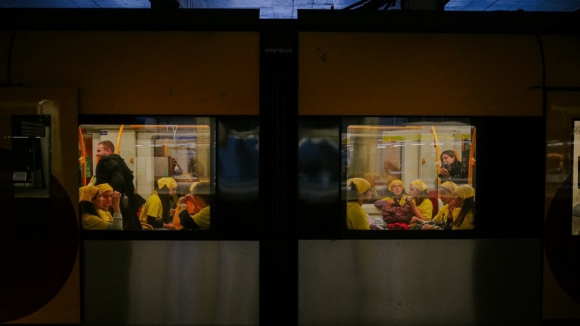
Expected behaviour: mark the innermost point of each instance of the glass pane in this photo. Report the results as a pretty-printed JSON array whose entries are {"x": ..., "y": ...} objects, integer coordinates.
[
  {"x": 409, "y": 173},
  {"x": 152, "y": 170},
  {"x": 31, "y": 156}
]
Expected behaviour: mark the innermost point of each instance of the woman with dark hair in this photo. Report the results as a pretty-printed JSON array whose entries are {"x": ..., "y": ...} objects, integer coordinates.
[
  {"x": 419, "y": 202},
  {"x": 90, "y": 200},
  {"x": 463, "y": 218},
  {"x": 157, "y": 208},
  {"x": 451, "y": 168}
]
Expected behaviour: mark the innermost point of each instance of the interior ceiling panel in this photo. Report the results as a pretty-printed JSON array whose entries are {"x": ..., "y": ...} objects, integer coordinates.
[{"x": 287, "y": 9}]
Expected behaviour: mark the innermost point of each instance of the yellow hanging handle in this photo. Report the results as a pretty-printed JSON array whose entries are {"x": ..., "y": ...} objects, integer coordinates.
[
  {"x": 82, "y": 159},
  {"x": 118, "y": 147}
]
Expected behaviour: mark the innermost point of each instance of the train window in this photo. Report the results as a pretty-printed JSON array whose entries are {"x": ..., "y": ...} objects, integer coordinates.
[
  {"x": 408, "y": 173},
  {"x": 158, "y": 173},
  {"x": 31, "y": 169}
]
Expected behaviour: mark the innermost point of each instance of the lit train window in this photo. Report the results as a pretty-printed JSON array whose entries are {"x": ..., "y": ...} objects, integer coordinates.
[
  {"x": 31, "y": 150},
  {"x": 408, "y": 173},
  {"x": 157, "y": 174}
]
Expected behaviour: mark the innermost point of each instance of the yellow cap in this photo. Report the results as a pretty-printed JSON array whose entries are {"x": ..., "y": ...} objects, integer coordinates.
[
  {"x": 394, "y": 183},
  {"x": 450, "y": 186},
  {"x": 87, "y": 193},
  {"x": 168, "y": 182},
  {"x": 361, "y": 184},
  {"x": 419, "y": 184},
  {"x": 104, "y": 187},
  {"x": 465, "y": 191}
]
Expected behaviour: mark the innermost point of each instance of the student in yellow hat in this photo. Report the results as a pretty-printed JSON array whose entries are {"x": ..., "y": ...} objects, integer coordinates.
[
  {"x": 444, "y": 217},
  {"x": 90, "y": 200},
  {"x": 419, "y": 202},
  {"x": 358, "y": 192},
  {"x": 157, "y": 209},
  {"x": 463, "y": 218},
  {"x": 399, "y": 195},
  {"x": 107, "y": 193}
]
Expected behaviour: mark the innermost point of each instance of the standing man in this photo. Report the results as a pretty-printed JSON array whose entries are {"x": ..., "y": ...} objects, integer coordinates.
[{"x": 113, "y": 170}]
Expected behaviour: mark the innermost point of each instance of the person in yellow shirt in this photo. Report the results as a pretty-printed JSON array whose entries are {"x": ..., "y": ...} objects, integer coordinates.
[
  {"x": 463, "y": 217},
  {"x": 420, "y": 203},
  {"x": 106, "y": 192},
  {"x": 358, "y": 192},
  {"x": 200, "y": 197},
  {"x": 90, "y": 200},
  {"x": 444, "y": 217},
  {"x": 157, "y": 208},
  {"x": 398, "y": 190}
]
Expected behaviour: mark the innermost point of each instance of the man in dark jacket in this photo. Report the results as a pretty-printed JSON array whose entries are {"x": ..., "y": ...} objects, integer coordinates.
[{"x": 113, "y": 170}]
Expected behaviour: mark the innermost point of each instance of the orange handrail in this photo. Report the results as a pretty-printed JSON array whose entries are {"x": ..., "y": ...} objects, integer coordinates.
[
  {"x": 471, "y": 160},
  {"x": 438, "y": 155},
  {"x": 82, "y": 159},
  {"x": 118, "y": 147}
]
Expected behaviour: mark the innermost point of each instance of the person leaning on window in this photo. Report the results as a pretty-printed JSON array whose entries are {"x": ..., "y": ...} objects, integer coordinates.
[
  {"x": 358, "y": 192},
  {"x": 463, "y": 218},
  {"x": 200, "y": 197},
  {"x": 90, "y": 200}
]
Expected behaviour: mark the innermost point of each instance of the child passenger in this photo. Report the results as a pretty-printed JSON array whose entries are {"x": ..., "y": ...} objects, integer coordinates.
[
  {"x": 200, "y": 199},
  {"x": 463, "y": 218},
  {"x": 157, "y": 208},
  {"x": 358, "y": 192},
  {"x": 444, "y": 217},
  {"x": 421, "y": 205},
  {"x": 398, "y": 190},
  {"x": 90, "y": 200}
]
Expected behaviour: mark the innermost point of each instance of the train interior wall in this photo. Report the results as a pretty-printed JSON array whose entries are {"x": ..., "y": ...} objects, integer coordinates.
[{"x": 408, "y": 281}]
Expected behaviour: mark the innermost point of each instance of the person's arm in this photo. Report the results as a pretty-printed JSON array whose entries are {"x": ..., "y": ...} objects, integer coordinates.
[
  {"x": 117, "y": 222},
  {"x": 423, "y": 211},
  {"x": 187, "y": 221}
]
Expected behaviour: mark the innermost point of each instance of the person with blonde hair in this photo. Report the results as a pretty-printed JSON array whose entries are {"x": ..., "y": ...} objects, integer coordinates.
[
  {"x": 157, "y": 208},
  {"x": 358, "y": 192},
  {"x": 444, "y": 217},
  {"x": 200, "y": 199},
  {"x": 397, "y": 188},
  {"x": 420, "y": 203},
  {"x": 463, "y": 217},
  {"x": 90, "y": 201}
]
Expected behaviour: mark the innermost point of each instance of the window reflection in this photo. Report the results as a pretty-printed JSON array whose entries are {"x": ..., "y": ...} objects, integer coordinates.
[
  {"x": 409, "y": 175},
  {"x": 161, "y": 170}
]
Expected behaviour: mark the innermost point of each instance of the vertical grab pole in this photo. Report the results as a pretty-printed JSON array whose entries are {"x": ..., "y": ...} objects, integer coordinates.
[
  {"x": 471, "y": 160},
  {"x": 83, "y": 159},
  {"x": 118, "y": 147},
  {"x": 438, "y": 155}
]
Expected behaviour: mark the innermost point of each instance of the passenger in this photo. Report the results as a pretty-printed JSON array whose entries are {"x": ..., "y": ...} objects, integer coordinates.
[
  {"x": 371, "y": 178},
  {"x": 358, "y": 192},
  {"x": 157, "y": 208},
  {"x": 444, "y": 217},
  {"x": 463, "y": 218},
  {"x": 452, "y": 169},
  {"x": 113, "y": 170},
  {"x": 420, "y": 204},
  {"x": 107, "y": 193},
  {"x": 200, "y": 197},
  {"x": 90, "y": 200},
  {"x": 397, "y": 188}
]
